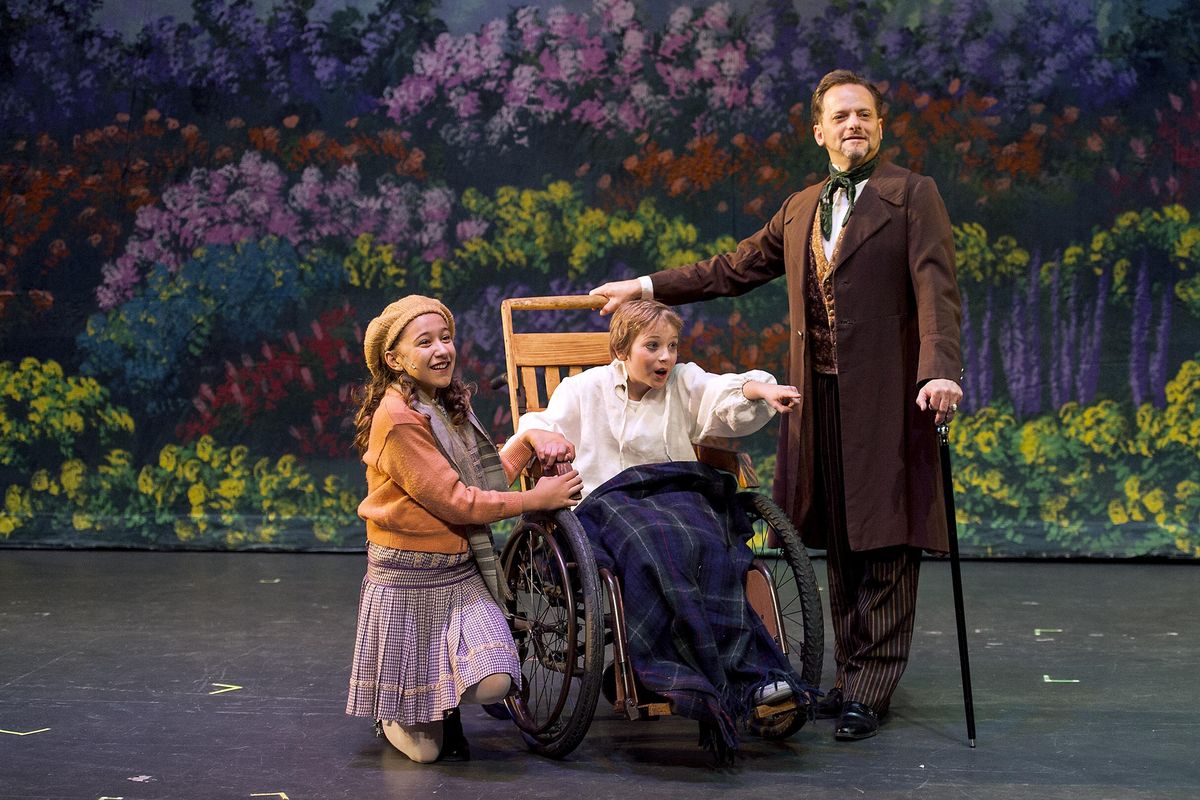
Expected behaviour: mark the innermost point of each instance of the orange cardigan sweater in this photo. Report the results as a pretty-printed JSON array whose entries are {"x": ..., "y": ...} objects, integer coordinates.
[{"x": 415, "y": 500}]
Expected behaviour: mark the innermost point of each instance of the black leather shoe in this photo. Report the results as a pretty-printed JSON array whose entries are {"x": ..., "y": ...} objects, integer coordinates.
[
  {"x": 830, "y": 706},
  {"x": 454, "y": 742},
  {"x": 857, "y": 722}
]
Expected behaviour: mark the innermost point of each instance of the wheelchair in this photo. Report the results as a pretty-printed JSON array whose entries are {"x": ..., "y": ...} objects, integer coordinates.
[{"x": 567, "y": 614}]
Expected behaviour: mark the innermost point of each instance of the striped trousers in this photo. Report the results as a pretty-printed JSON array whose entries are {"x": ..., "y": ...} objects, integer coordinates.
[{"x": 872, "y": 593}]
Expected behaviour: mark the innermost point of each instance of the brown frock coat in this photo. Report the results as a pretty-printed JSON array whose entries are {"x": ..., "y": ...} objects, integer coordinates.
[{"x": 898, "y": 317}]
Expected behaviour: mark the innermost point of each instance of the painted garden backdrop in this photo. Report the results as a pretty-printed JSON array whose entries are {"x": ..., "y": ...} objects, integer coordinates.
[{"x": 199, "y": 213}]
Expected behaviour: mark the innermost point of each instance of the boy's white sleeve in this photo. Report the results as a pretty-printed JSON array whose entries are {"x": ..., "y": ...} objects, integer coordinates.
[
  {"x": 717, "y": 406},
  {"x": 561, "y": 415}
]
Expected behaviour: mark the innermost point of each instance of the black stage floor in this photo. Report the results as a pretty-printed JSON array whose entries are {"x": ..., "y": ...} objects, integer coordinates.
[{"x": 198, "y": 675}]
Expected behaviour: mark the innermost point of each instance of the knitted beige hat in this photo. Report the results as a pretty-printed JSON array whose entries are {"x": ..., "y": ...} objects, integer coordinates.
[{"x": 384, "y": 330}]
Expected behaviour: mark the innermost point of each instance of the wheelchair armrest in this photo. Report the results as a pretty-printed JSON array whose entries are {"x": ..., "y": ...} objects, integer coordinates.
[{"x": 729, "y": 460}]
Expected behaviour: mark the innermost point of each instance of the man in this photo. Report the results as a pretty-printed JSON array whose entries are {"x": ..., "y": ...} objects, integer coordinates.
[{"x": 875, "y": 314}]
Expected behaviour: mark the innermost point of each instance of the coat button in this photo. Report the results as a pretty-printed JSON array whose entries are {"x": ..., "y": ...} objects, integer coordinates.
[{"x": 800, "y": 334}]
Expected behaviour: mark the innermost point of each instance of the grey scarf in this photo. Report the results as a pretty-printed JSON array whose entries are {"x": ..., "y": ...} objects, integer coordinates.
[{"x": 471, "y": 452}]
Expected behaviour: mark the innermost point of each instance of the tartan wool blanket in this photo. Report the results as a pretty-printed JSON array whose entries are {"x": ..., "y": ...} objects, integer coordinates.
[{"x": 675, "y": 536}]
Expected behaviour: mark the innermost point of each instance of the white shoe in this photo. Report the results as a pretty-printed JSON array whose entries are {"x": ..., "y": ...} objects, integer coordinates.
[{"x": 770, "y": 694}]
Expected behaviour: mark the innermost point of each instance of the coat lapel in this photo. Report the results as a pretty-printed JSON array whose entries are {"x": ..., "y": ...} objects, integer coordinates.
[
  {"x": 871, "y": 211},
  {"x": 801, "y": 219}
]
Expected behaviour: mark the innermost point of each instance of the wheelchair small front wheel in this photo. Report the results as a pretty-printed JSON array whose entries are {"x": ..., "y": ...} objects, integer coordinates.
[{"x": 558, "y": 626}]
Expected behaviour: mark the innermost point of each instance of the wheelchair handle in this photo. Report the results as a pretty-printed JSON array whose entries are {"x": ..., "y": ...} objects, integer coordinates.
[
  {"x": 564, "y": 302},
  {"x": 562, "y": 468}
]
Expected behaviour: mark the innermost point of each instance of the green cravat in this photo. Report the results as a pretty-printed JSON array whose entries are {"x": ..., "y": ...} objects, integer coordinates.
[{"x": 846, "y": 180}]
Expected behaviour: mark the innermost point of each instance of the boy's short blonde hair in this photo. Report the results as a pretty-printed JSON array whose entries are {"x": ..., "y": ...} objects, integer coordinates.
[{"x": 633, "y": 317}]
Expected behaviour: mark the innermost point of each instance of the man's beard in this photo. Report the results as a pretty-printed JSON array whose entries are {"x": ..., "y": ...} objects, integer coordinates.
[{"x": 857, "y": 152}]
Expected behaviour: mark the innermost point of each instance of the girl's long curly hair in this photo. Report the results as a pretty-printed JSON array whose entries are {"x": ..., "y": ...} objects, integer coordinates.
[{"x": 455, "y": 398}]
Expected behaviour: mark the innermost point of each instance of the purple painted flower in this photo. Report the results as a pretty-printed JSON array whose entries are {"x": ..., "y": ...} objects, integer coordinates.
[
  {"x": 251, "y": 200},
  {"x": 465, "y": 104},
  {"x": 471, "y": 229},
  {"x": 615, "y": 15}
]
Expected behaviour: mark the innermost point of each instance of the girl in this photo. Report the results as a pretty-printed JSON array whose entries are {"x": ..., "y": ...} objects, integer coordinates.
[{"x": 431, "y": 634}]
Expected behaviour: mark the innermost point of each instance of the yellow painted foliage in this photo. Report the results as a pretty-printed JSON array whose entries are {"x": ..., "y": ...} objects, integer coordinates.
[
  {"x": 981, "y": 262},
  {"x": 64, "y": 435},
  {"x": 370, "y": 265},
  {"x": 552, "y": 231},
  {"x": 1051, "y": 473}
]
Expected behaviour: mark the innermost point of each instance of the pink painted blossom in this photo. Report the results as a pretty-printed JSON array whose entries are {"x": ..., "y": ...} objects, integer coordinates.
[
  {"x": 529, "y": 26},
  {"x": 681, "y": 18},
  {"x": 716, "y": 16},
  {"x": 471, "y": 229},
  {"x": 590, "y": 112},
  {"x": 119, "y": 282},
  {"x": 565, "y": 25},
  {"x": 495, "y": 86},
  {"x": 413, "y": 93},
  {"x": 520, "y": 90},
  {"x": 551, "y": 101},
  {"x": 631, "y": 116},
  {"x": 465, "y": 104},
  {"x": 550, "y": 67},
  {"x": 251, "y": 199},
  {"x": 616, "y": 15},
  {"x": 593, "y": 58},
  {"x": 569, "y": 64}
]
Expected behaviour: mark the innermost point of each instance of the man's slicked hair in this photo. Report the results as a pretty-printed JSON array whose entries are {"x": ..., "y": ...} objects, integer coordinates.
[{"x": 841, "y": 77}]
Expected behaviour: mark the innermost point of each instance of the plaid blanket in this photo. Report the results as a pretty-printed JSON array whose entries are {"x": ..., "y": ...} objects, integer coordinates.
[{"x": 676, "y": 537}]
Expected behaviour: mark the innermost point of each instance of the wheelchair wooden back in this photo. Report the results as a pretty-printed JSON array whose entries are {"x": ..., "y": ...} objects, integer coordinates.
[{"x": 537, "y": 362}]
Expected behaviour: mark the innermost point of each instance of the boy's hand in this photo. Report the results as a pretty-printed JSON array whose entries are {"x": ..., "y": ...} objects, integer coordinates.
[{"x": 778, "y": 397}]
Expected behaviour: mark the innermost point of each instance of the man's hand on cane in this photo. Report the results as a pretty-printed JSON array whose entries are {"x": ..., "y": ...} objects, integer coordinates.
[{"x": 942, "y": 396}]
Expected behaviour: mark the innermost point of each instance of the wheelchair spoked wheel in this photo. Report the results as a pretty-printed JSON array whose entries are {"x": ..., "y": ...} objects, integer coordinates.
[
  {"x": 778, "y": 547},
  {"x": 558, "y": 626}
]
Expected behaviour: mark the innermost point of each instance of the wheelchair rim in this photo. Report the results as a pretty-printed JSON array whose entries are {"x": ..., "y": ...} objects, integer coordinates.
[{"x": 548, "y": 645}]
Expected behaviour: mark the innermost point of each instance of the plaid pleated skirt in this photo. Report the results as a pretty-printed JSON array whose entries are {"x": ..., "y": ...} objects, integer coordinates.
[{"x": 427, "y": 630}]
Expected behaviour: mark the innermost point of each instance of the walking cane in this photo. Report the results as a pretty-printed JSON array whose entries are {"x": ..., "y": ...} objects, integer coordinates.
[{"x": 964, "y": 661}]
